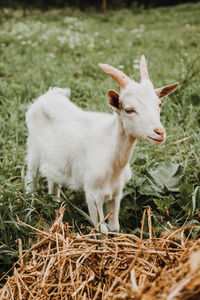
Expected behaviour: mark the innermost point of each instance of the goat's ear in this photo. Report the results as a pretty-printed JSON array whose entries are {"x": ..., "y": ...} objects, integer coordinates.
[
  {"x": 113, "y": 99},
  {"x": 165, "y": 90}
]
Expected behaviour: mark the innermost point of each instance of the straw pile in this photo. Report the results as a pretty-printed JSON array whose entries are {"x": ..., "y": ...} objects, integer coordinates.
[{"x": 62, "y": 265}]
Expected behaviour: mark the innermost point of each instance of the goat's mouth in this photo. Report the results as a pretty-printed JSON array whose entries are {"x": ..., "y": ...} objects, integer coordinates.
[{"x": 156, "y": 140}]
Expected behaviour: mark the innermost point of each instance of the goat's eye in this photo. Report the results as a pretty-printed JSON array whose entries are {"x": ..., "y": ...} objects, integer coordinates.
[
  {"x": 130, "y": 110},
  {"x": 159, "y": 105}
]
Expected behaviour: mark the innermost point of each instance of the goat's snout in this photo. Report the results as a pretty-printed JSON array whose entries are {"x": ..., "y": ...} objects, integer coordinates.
[{"x": 159, "y": 131}]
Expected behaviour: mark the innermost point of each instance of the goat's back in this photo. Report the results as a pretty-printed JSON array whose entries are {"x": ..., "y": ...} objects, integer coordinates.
[{"x": 69, "y": 142}]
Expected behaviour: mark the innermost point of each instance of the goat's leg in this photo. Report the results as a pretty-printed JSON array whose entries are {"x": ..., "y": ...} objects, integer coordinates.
[
  {"x": 114, "y": 206},
  {"x": 53, "y": 189},
  {"x": 31, "y": 180},
  {"x": 95, "y": 207}
]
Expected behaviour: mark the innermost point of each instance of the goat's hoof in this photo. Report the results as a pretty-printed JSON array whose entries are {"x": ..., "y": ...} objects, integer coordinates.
[
  {"x": 104, "y": 228},
  {"x": 115, "y": 228}
]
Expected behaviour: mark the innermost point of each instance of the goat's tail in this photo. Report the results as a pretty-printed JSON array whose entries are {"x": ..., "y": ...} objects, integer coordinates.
[
  {"x": 48, "y": 107},
  {"x": 65, "y": 92}
]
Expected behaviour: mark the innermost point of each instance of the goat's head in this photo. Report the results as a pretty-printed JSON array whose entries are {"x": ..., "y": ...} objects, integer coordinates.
[{"x": 138, "y": 104}]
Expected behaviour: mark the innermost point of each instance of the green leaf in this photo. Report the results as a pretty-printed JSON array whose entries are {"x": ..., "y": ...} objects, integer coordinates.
[
  {"x": 168, "y": 175},
  {"x": 186, "y": 190},
  {"x": 149, "y": 188},
  {"x": 165, "y": 203},
  {"x": 185, "y": 198},
  {"x": 195, "y": 198},
  {"x": 137, "y": 180}
]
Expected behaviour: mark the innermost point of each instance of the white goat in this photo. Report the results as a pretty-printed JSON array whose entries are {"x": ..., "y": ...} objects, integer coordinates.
[{"x": 92, "y": 150}]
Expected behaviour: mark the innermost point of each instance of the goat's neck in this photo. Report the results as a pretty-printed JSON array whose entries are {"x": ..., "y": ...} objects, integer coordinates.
[{"x": 123, "y": 146}]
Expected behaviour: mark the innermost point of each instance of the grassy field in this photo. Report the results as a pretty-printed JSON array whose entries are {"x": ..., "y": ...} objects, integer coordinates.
[{"x": 63, "y": 48}]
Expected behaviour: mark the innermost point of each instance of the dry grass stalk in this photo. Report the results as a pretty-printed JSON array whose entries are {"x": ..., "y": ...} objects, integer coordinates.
[{"x": 64, "y": 265}]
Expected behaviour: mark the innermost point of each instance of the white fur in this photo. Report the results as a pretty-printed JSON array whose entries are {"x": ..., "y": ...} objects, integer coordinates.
[{"x": 89, "y": 150}]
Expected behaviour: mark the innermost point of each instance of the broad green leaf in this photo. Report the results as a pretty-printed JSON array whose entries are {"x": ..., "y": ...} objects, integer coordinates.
[
  {"x": 168, "y": 175},
  {"x": 137, "y": 180},
  {"x": 148, "y": 187}
]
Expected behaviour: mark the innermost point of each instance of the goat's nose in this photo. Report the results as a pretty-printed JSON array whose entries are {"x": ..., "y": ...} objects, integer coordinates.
[{"x": 159, "y": 131}]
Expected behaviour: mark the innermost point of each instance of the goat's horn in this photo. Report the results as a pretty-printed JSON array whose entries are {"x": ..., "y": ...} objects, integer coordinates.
[
  {"x": 143, "y": 68},
  {"x": 121, "y": 78}
]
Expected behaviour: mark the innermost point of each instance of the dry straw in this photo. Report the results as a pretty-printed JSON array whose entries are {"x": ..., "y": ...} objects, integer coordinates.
[{"x": 64, "y": 265}]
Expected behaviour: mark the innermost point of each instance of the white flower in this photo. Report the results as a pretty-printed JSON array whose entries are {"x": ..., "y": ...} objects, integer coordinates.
[
  {"x": 138, "y": 30},
  {"x": 52, "y": 55},
  {"x": 70, "y": 20},
  {"x": 119, "y": 30},
  {"x": 142, "y": 27},
  {"x": 133, "y": 31},
  {"x": 35, "y": 44},
  {"x": 62, "y": 39},
  {"x": 136, "y": 66}
]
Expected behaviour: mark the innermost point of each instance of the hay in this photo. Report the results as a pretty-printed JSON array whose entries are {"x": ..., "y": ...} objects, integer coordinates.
[{"x": 64, "y": 265}]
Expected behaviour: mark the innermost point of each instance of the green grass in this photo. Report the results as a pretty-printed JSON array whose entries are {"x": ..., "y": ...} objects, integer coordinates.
[{"x": 63, "y": 48}]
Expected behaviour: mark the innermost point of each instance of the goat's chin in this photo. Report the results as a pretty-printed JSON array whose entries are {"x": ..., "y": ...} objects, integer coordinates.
[{"x": 155, "y": 141}]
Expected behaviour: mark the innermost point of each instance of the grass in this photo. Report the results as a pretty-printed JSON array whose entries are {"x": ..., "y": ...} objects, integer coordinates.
[{"x": 63, "y": 48}]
